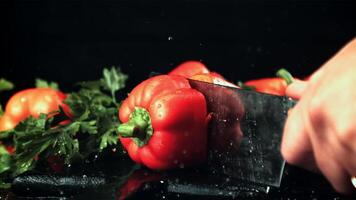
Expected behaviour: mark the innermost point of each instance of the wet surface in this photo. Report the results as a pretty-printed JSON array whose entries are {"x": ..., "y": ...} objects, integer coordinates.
[{"x": 119, "y": 178}]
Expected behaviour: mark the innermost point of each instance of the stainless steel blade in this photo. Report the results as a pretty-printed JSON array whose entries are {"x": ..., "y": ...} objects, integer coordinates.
[{"x": 245, "y": 132}]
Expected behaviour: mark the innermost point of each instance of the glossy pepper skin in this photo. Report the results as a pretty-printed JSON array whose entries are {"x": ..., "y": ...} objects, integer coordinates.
[
  {"x": 190, "y": 68},
  {"x": 31, "y": 102},
  {"x": 174, "y": 134}
]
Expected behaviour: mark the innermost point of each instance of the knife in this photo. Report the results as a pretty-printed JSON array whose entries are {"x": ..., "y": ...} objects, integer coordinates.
[{"x": 245, "y": 132}]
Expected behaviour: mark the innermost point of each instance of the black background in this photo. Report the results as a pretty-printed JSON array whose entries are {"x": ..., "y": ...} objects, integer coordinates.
[{"x": 72, "y": 40}]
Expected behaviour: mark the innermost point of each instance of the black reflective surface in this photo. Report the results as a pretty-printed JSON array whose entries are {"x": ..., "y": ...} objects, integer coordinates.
[{"x": 141, "y": 183}]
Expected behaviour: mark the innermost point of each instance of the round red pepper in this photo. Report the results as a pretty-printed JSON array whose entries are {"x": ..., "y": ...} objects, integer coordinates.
[
  {"x": 31, "y": 102},
  {"x": 164, "y": 123},
  {"x": 190, "y": 68},
  {"x": 197, "y": 70}
]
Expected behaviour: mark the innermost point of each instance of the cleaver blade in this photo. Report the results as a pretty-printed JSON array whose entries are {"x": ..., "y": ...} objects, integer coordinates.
[{"x": 245, "y": 132}]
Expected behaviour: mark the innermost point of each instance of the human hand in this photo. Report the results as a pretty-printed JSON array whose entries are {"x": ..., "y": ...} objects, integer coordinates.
[{"x": 320, "y": 131}]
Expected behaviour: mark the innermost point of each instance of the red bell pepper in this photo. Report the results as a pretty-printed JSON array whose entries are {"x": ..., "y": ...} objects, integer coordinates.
[
  {"x": 190, "y": 68},
  {"x": 275, "y": 86},
  {"x": 164, "y": 123},
  {"x": 31, "y": 102}
]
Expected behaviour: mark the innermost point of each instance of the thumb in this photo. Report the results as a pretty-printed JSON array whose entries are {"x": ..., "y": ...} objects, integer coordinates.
[
  {"x": 296, "y": 147},
  {"x": 296, "y": 89}
]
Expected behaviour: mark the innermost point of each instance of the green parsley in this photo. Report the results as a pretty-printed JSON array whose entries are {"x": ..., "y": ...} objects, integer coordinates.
[{"x": 91, "y": 127}]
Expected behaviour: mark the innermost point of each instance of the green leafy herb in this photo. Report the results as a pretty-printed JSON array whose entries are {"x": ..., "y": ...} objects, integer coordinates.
[
  {"x": 114, "y": 80},
  {"x": 1, "y": 111},
  {"x": 92, "y": 127},
  {"x": 5, "y": 85},
  {"x": 40, "y": 83},
  {"x": 5, "y": 166}
]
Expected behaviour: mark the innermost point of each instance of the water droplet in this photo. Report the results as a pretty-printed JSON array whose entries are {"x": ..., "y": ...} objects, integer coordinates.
[
  {"x": 181, "y": 165},
  {"x": 170, "y": 38},
  {"x": 159, "y": 105},
  {"x": 69, "y": 165},
  {"x": 113, "y": 150},
  {"x": 85, "y": 176},
  {"x": 61, "y": 192},
  {"x": 267, "y": 190},
  {"x": 227, "y": 179},
  {"x": 161, "y": 181}
]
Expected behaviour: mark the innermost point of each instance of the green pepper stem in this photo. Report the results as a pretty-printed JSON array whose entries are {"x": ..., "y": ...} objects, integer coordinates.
[
  {"x": 283, "y": 73},
  {"x": 132, "y": 127},
  {"x": 139, "y": 127}
]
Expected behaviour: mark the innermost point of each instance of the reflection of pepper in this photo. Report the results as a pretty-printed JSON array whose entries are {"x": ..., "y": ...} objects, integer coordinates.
[
  {"x": 164, "y": 123},
  {"x": 275, "y": 86},
  {"x": 226, "y": 111},
  {"x": 135, "y": 181},
  {"x": 31, "y": 102}
]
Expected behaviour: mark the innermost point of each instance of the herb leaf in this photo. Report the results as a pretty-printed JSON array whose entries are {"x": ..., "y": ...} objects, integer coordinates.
[
  {"x": 40, "y": 83},
  {"x": 5, "y": 85},
  {"x": 114, "y": 80}
]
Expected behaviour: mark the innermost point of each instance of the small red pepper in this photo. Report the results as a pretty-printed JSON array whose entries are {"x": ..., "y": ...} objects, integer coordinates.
[
  {"x": 275, "y": 86},
  {"x": 164, "y": 123},
  {"x": 31, "y": 102}
]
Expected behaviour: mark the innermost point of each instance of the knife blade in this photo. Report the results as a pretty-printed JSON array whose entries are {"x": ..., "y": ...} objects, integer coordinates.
[{"x": 245, "y": 132}]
